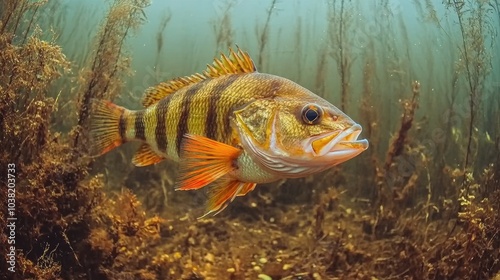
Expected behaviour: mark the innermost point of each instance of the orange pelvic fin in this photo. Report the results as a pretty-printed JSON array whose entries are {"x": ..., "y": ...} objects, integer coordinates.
[
  {"x": 203, "y": 161},
  {"x": 107, "y": 126},
  {"x": 146, "y": 156},
  {"x": 221, "y": 194},
  {"x": 246, "y": 189}
]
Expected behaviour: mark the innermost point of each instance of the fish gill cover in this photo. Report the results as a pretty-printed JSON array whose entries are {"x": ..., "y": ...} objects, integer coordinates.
[{"x": 422, "y": 202}]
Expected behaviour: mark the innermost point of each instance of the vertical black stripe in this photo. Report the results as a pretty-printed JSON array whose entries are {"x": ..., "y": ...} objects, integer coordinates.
[
  {"x": 139, "y": 125},
  {"x": 217, "y": 92},
  {"x": 227, "y": 125},
  {"x": 182, "y": 127},
  {"x": 160, "y": 130},
  {"x": 122, "y": 127},
  {"x": 274, "y": 87}
]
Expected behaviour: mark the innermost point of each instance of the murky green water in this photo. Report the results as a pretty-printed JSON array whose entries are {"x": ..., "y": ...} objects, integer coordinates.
[{"x": 421, "y": 77}]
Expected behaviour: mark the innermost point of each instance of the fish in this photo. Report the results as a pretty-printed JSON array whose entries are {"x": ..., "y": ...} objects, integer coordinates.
[{"x": 230, "y": 128}]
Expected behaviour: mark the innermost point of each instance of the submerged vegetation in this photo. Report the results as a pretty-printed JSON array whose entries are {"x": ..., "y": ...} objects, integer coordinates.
[
  {"x": 103, "y": 79},
  {"x": 426, "y": 205},
  {"x": 67, "y": 227}
]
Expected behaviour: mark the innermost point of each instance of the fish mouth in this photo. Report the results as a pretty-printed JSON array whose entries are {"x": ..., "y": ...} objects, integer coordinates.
[{"x": 338, "y": 145}]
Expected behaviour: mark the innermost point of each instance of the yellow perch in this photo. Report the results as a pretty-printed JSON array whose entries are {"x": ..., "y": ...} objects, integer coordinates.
[{"x": 231, "y": 127}]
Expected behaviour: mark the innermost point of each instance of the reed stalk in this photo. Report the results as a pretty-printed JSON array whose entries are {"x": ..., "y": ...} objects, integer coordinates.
[
  {"x": 343, "y": 61},
  {"x": 472, "y": 20},
  {"x": 339, "y": 25},
  {"x": 264, "y": 36},
  {"x": 223, "y": 29}
]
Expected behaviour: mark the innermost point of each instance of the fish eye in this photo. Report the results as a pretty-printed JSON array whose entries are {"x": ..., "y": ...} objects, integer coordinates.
[{"x": 311, "y": 114}]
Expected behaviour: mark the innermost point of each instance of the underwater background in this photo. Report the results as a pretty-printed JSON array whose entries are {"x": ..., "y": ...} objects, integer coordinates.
[{"x": 422, "y": 77}]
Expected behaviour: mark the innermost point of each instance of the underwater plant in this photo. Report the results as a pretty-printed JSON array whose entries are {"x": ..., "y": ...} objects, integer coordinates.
[
  {"x": 28, "y": 69},
  {"x": 263, "y": 35},
  {"x": 473, "y": 23},
  {"x": 66, "y": 227},
  {"x": 159, "y": 36},
  {"x": 339, "y": 30},
  {"x": 103, "y": 78},
  {"x": 222, "y": 27}
]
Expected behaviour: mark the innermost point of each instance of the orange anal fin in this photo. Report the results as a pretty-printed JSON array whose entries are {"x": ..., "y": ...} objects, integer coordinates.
[
  {"x": 221, "y": 194},
  {"x": 146, "y": 156},
  {"x": 203, "y": 161}
]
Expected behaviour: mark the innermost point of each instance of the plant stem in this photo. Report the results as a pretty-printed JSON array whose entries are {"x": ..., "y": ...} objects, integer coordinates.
[
  {"x": 29, "y": 26},
  {"x": 264, "y": 35},
  {"x": 343, "y": 63},
  {"x": 472, "y": 88}
]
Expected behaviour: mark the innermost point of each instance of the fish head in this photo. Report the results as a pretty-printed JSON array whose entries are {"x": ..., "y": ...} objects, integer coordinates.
[{"x": 297, "y": 133}]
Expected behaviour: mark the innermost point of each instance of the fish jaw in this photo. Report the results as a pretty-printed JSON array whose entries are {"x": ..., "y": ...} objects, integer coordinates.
[{"x": 336, "y": 147}]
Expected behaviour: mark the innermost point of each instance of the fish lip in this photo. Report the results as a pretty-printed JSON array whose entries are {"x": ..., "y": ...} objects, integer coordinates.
[
  {"x": 352, "y": 139},
  {"x": 345, "y": 143}
]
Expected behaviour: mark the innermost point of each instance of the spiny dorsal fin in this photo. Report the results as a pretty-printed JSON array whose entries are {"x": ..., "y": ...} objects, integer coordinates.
[
  {"x": 146, "y": 156},
  {"x": 157, "y": 93},
  {"x": 237, "y": 63}
]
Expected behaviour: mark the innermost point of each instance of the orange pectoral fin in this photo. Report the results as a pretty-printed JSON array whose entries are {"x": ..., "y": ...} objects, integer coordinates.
[
  {"x": 203, "y": 161},
  {"x": 221, "y": 194}
]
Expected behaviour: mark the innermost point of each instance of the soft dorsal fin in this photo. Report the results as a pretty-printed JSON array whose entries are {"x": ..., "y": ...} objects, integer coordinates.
[
  {"x": 238, "y": 63},
  {"x": 146, "y": 156},
  {"x": 157, "y": 93}
]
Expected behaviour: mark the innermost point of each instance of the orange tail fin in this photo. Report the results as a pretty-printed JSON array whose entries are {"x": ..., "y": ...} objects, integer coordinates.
[{"x": 107, "y": 126}]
